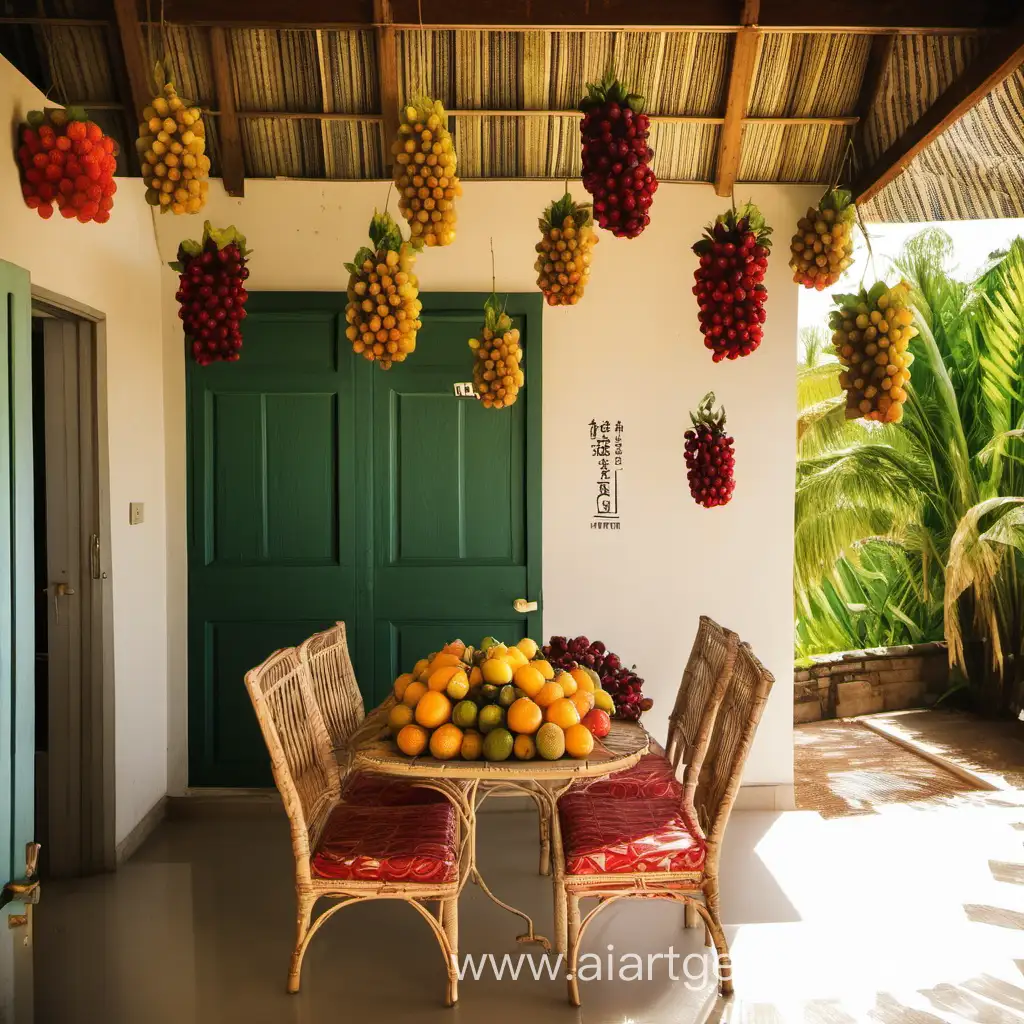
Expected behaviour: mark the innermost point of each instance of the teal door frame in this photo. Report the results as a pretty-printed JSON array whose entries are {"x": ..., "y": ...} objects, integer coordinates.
[
  {"x": 523, "y": 306},
  {"x": 17, "y": 610}
]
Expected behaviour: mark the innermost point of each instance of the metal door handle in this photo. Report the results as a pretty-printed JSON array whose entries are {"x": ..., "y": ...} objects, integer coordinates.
[
  {"x": 59, "y": 590},
  {"x": 523, "y": 606}
]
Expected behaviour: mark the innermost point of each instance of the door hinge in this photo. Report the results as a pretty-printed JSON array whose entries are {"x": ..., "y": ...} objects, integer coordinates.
[
  {"x": 94, "y": 555},
  {"x": 27, "y": 889}
]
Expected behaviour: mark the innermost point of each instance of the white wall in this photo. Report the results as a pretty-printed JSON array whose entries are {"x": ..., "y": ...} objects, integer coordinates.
[
  {"x": 629, "y": 350},
  {"x": 113, "y": 268}
]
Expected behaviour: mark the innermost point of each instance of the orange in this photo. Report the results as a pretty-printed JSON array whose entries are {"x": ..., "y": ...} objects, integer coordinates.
[
  {"x": 440, "y": 678},
  {"x": 529, "y": 680},
  {"x": 444, "y": 660},
  {"x": 528, "y": 647},
  {"x": 566, "y": 682},
  {"x": 549, "y": 693},
  {"x": 401, "y": 683},
  {"x": 516, "y": 658},
  {"x": 421, "y": 668},
  {"x": 412, "y": 740},
  {"x": 497, "y": 671},
  {"x": 563, "y": 713},
  {"x": 524, "y": 717},
  {"x": 456, "y": 647},
  {"x": 399, "y": 717},
  {"x": 434, "y": 709},
  {"x": 544, "y": 668},
  {"x": 524, "y": 748},
  {"x": 446, "y": 742},
  {"x": 584, "y": 701},
  {"x": 579, "y": 741},
  {"x": 472, "y": 745},
  {"x": 413, "y": 692},
  {"x": 583, "y": 679},
  {"x": 476, "y": 677}
]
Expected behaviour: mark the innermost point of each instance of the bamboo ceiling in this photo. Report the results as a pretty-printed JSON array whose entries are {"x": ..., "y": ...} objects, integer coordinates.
[{"x": 308, "y": 101}]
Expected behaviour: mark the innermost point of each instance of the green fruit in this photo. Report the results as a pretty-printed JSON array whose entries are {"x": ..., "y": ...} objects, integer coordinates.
[
  {"x": 507, "y": 695},
  {"x": 489, "y": 692},
  {"x": 603, "y": 700},
  {"x": 550, "y": 741},
  {"x": 464, "y": 714},
  {"x": 498, "y": 745},
  {"x": 492, "y": 716},
  {"x": 487, "y": 642}
]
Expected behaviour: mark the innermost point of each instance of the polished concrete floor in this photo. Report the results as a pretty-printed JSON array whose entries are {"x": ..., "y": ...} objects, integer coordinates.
[{"x": 913, "y": 915}]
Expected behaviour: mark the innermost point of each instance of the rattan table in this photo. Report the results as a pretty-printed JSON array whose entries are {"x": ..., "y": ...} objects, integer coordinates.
[{"x": 466, "y": 784}]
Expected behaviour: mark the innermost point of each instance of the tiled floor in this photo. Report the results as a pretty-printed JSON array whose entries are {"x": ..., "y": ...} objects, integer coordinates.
[{"x": 913, "y": 915}]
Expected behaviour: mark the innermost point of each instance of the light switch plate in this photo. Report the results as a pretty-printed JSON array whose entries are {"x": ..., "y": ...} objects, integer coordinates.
[{"x": 136, "y": 513}]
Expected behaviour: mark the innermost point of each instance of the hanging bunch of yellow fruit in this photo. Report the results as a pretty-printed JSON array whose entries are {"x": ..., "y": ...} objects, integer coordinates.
[
  {"x": 424, "y": 171},
  {"x": 383, "y": 310},
  {"x": 497, "y": 376},
  {"x": 172, "y": 148},
  {"x": 563, "y": 253},
  {"x": 871, "y": 333},
  {"x": 822, "y": 247}
]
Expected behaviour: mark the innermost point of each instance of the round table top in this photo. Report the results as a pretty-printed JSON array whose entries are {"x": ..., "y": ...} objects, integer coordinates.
[{"x": 374, "y": 749}]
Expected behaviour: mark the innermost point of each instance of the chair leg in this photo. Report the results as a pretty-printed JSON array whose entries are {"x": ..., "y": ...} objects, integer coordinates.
[
  {"x": 544, "y": 824},
  {"x": 305, "y": 912},
  {"x": 450, "y": 924},
  {"x": 573, "y": 914},
  {"x": 558, "y": 883},
  {"x": 713, "y": 924}
]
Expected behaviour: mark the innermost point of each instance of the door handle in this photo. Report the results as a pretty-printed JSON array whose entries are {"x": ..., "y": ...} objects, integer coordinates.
[
  {"x": 59, "y": 590},
  {"x": 521, "y": 605}
]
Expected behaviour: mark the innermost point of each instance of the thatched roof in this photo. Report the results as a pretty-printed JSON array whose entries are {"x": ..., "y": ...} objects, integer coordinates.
[{"x": 315, "y": 99}]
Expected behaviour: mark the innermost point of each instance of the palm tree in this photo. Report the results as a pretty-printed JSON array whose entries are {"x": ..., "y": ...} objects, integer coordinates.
[{"x": 940, "y": 493}]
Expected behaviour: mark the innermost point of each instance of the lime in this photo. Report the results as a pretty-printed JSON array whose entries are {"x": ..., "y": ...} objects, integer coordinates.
[
  {"x": 464, "y": 714},
  {"x": 491, "y": 717},
  {"x": 487, "y": 642},
  {"x": 498, "y": 745},
  {"x": 507, "y": 696},
  {"x": 489, "y": 693}
]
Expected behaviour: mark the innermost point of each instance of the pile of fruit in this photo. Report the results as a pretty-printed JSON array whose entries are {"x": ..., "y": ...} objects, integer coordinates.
[
  {"x": 616, "y": 157},
  {"x": 424, "y": 172},
  {"x": 606, "y": 670},
  {"x": 495, "y": 702},
  {"x": 709, "y": 455},
  {"x": 871, "y": 333},
  {"x": 563, "y": 260},
  {"x": 211, "y": 293},
  {"x": 731, "y": 297},
  {"x": 497, "y": 376},
  {"x": 172, "y": 148},
  {"x": 67, "y": 161},
  {"x": 822, "y": 247},
  {"x": 383, "y": 310}
]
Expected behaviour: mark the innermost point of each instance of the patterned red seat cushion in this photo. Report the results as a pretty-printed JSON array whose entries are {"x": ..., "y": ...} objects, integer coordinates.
[
  {"x": 373, "y": 790},
  {"x": 602, "y": 836},
  {"x": 388, "y": 844},
  {"x": 651, "y": 778}
]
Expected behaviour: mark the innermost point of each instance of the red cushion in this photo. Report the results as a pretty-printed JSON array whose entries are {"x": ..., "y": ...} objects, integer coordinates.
[
  {"x": 390, "y": 844},
  {"x": 602, "y": 836},
  {"x": 373, "y": 790},
  {"x": 651, "y": 778}
]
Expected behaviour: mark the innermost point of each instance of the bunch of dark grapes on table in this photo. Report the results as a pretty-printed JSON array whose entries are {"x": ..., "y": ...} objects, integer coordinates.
[
  {"x": 616, "y": 158},
  {"x": 212, "y": 293},
  {"x": 709, "y": 456},
  {"x": 729, "y": 289},
  {"x": 624, "y": 685}
]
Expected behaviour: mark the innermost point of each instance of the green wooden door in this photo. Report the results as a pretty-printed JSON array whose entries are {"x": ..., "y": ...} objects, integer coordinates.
[
  {"x": 323, "y": 488},
  {"x": 17, "y": 607},
  {"x": 456, "y": 492},
  {"x": 275, "y": 542}
]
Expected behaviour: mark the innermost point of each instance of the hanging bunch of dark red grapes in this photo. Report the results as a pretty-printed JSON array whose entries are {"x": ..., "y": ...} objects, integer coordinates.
[
  {"x": 730, "y": 294},
  {"x": 709, "y": 455},
  {"x": 623, "y": 684},
  {"x": 616, "y": 157},
  {"x": 212, "y": 293}
]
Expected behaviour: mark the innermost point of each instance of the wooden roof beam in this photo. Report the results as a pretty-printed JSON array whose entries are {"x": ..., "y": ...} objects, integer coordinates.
[
  {"x": 387, "y": 76},
  {"x": 229, "y": 137},
  {"x": 139, "y": 73},
  {"x": 1003, "y": 54},
  {"x": 741, "y": 78}
]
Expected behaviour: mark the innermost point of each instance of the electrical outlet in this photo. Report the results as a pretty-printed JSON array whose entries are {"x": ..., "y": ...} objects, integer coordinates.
[{"x": 136, "y": 513}]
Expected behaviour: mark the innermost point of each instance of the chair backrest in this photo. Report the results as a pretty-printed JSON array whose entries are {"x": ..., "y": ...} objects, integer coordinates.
[
  {"x": 711, "y": 662},
  {"x": 305, "y": 771},
  {"x": 334, "y": 682},
  {"x": 732, "y": 732}
]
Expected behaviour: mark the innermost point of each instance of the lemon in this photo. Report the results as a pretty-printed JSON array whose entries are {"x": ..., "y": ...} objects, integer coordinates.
[
  {"x": 399, "y": 717},
  {"x": 529, "y": 680},
  {"x": 584, "y": 701},
  {"x": 496, "y": 672},
  {"x": 544, "y": 668},
  {"x": 583, "y": 680},
  {"x": 603, "y": 700},
  {"x": 566, "y": 682},
  {"x": 579, "y": 741},
  {"x": 458, "y": 686},
  {"x": 516, "y": 658},
  {"x": 528, "y": 647}
]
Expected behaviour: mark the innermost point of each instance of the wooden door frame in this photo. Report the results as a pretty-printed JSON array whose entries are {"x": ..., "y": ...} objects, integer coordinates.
[{"x": 96, "y": 763}]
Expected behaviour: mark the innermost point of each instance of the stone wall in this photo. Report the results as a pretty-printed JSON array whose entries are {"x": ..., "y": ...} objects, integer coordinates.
[{"x": 867, "y": 682}]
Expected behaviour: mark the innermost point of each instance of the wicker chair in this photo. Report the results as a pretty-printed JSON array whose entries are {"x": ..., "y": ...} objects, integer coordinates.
[
  {"x": 334, "y": 683},
  {"x": 668, "y": 848},
  {"x": 344, "y": 852}
]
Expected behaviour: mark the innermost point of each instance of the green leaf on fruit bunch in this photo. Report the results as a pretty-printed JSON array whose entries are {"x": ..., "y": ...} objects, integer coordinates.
[
  {"x": 384, "y": 232},
  {"x": 189, "y": 248},
  {"x": 76, "y": 113},
  {"x": 177, "y": 266},
  {"x": 837, "y": 199},
  {"x": 755, "y": 222},
  {"x": 846, "y": 300},
  {"x": 495, "y": 317},
  {"x": 635, "y": 102},
  {"x": 878, "y": 289},
  {"x": 703, "y": 246},
  {"x": 223, "y": 237},
  {"x": 364, "y": 254},
  {"x": 35, "y": 118}
]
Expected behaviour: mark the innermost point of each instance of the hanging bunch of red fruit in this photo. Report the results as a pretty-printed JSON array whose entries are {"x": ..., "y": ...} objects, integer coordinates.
[
  {"x": 67, "y": 162},
  {"x": 730, "y": 294},
  {"x": 563, "y": 252},
  {"x": 616, "y": 157},
  {"x": 623, "y": 684},
  {"x": 212, "y": 293},
  {"x": 822, "y": 247},
  {"x": 709, "y": 455}
]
